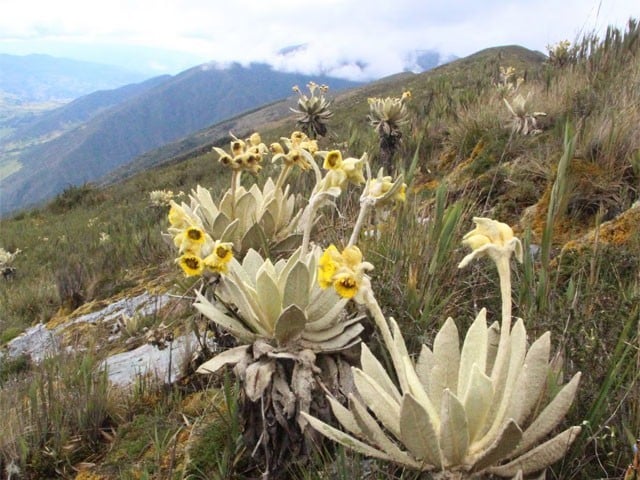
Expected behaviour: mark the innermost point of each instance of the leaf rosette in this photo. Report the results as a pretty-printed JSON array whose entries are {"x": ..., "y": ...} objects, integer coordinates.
[{"x": 254, "y": 218}]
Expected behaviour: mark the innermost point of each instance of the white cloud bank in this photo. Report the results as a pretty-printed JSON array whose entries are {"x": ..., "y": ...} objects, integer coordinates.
[{"x": 380, "y": 34}]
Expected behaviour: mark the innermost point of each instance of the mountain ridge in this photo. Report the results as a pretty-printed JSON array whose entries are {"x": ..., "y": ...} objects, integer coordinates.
[{"x": 185, "y": 103}]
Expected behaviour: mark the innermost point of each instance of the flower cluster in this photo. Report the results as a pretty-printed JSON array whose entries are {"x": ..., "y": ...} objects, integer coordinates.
[
  {"x": 294, "y": 156},
  {"x": 345, "y": 271},
  {"x": 384, "y": 189},
  {"x": 199, "y": 253},
  {"x": 491, "y": 238},
  {"x": 161, "y": 198},
  {"x": 561, "y": 53},
  {"x": 508, "y": 81},
  {"x": 246, "y": 155},
  {"x": 313, "y": 110},
  {"x": 341, "y": 171},
  {"x": 386, "y": 115},
  {"x": 6, "y": 257}
]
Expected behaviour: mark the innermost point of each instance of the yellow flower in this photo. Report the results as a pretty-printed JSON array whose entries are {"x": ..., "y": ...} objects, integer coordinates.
[
  {"x": 276, "y": 148},
  {"x": 333, "y": 160},
  {"x": 237, "y": 147},
  {"x": 382, "y": 189},
  {"x": 255, "y": 140},
  {"x": 295, "y": 157},
  {"x": 377, "y": 187},
  {"x": 177, "y": 216},
  {"x": 219, "y": 259},
  {"x": 346, "y": 284},
  {"x": 353, "y": 167},
  {"x": 344, "y": 271},
  {"x": 352, "y": 257},
  {"x": 250, "y": 162},
  {"x": 190, "y": 239},
  {"x": 327, "y": 266},
  {"x": 475, "y": 241},
  {"x": 333, "y": 178},
  {"x": 226, "y": 160},
  {"x": 297, "y": 137},
  {"x": 310, "y": 146},
  {"x": 191, "y": 264},
  {"x": 491, "y": 238}
]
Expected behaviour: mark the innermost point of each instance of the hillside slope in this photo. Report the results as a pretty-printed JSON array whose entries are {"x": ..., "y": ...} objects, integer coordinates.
[
  {"x": 570, "y": 192},
  {"x": 179, "y": 106},
  {"x": 59, "y": 120}
]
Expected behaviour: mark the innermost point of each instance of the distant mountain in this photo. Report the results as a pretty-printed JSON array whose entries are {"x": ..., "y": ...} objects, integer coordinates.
[
  {"x": 57, "y": 121},
  {"x": 42, "y": 78},
  {"x": 174, "y": 108}
]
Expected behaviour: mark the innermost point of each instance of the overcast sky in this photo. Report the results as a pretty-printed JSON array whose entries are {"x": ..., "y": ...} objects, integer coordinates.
[{"x": 166, "y": 36}]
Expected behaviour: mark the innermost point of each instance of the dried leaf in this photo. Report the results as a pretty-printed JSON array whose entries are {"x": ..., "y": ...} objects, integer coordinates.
[
  {"x": 227, "y": 357},
  {"x": 258, "y": 377}
]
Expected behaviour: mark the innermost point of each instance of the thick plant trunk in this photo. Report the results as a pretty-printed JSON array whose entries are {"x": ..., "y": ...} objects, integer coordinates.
[
  {"x": 271, "y": 424},
  {"x": 388, "y": 146}
]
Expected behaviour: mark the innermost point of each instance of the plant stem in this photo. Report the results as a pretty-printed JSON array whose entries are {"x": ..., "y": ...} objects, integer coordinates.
[
  {"x": 504, "y": 273},
  {"x": 234, "y": 186},
  {"x": 364, "y": 209},
  {"x": 284, "y": 173}
]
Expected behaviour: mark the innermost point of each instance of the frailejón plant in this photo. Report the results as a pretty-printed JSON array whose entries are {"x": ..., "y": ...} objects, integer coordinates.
[
  {"x": 313, "y": 110},
  {"x": 459, "y": 411},
  {"x": 523, "y": 119},
  {"x": 387, "y": 116}
]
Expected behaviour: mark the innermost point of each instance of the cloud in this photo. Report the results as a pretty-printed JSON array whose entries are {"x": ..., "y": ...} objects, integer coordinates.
[{"x": 359, "y": 38}]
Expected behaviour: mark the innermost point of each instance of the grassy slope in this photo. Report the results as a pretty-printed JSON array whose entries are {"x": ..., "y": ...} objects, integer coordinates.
[{"x": 586, "y": 291}]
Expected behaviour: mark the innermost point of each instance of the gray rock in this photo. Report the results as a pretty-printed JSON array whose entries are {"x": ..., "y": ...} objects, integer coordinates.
[{"x": 125, "y": 368}]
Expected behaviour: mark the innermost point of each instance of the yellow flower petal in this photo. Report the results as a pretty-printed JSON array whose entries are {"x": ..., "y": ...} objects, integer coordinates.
[
  {"x": 255, "y": 139},
  {"x": 476, "y": 241},
  {"x": 346, "y": 284},
  {"x": 276, "y": 148},
  {"x": 352, "y": 257},
  {"x": 333, "y": 160},
  {"x": 328, "y": 265},
  {"x": 191, "y": 264}
]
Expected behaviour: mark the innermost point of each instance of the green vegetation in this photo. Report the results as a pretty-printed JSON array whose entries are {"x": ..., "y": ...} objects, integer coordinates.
[{"x": 569, "y": 192}]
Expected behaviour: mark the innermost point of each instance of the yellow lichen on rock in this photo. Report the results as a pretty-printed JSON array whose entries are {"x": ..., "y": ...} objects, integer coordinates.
[{"x": 617, "y": 232}]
